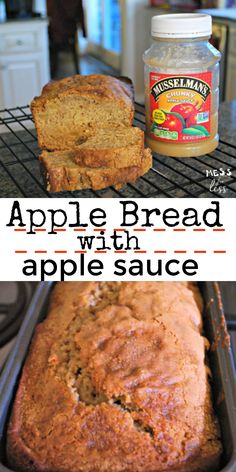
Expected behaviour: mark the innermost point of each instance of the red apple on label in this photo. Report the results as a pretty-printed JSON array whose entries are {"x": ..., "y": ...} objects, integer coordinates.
[
  {"x": 173, "y": 123},
  {"x": 184, "y": 109},
  {"x": 192, "y": 120}
]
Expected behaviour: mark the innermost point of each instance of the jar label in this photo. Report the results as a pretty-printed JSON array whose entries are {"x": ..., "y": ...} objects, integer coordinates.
[{"x": 180, "y": 107}]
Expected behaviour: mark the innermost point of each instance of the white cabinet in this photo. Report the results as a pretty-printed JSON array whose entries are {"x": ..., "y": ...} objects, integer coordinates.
[{"x": 24, "y": 61}]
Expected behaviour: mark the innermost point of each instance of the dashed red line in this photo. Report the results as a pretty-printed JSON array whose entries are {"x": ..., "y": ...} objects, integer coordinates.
[
  {"x": 197, "y": 251},
  {"x": 122, "y": 229}
]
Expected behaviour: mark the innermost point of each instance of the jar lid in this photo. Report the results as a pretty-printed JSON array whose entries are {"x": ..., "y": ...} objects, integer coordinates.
[{"x": 182, "y": 25}]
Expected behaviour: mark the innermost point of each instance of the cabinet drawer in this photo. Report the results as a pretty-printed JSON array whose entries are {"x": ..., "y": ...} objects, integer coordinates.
[{"x": 18, "y": 42}]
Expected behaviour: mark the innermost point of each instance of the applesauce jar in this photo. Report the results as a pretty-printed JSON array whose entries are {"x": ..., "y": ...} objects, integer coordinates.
[{"x": 182, "y": 86}]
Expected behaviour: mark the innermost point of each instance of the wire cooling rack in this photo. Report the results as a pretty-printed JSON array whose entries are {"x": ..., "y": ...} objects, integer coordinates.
[{"x": 20, "y": 174}]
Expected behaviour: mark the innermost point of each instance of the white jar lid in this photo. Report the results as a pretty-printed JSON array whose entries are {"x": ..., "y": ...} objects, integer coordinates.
[{"x": 182, "y": 25}]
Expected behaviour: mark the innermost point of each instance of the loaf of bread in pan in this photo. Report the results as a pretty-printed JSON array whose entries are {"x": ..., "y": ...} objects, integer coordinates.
[
  {"x": 62, "y": 173},
  {"x": 71, "y": 108},
  {"x": 122, "y": 147},
  {"x": 116, "y": 381}
]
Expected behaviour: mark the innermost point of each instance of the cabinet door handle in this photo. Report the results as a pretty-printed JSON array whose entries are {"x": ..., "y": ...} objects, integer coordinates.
[{"x": 19, "y": 42}]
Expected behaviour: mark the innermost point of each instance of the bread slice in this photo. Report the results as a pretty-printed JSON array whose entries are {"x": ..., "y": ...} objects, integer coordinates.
[
  {"x": 74, "y": 107},
  {"x": 118, "y": 148},
  {"x": 62, "y": 173}
]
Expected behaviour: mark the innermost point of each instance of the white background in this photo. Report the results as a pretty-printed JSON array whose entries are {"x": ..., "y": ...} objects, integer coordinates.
[{"x": 211, "y": 265}]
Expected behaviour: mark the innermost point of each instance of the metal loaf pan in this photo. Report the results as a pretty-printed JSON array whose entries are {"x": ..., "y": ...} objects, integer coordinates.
[{"x": 220, "y": 361}]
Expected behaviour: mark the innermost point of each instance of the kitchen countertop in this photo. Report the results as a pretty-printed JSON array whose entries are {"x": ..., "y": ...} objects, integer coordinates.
[
  {"x": 20, "y": 171},
  {"x": 226, "y": 13}
]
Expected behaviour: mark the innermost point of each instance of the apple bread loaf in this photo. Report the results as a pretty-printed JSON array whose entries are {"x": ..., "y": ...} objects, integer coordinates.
[
  {"x": 71, "y": 108},
  {"x": 116, "y": 381}
]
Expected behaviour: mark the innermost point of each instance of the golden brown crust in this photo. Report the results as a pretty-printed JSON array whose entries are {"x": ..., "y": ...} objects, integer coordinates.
[
  {"x": 81, "y": 92},
  {"x": 116, "y": 158},
  {"x": 62, "y": 173},
  {"x": 102, "y": 85},
  {"x": 115, "y": 381}
]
